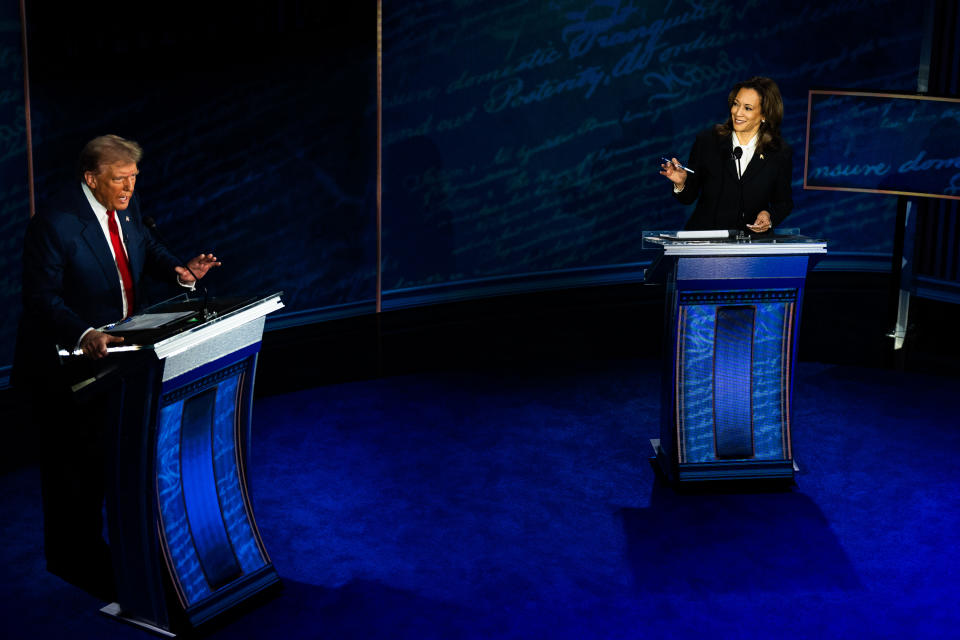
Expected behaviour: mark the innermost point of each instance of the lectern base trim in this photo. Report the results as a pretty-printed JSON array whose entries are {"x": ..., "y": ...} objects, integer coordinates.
[
  {"x": 113, "y": 610},
  {"x": 714, "y": 471}
]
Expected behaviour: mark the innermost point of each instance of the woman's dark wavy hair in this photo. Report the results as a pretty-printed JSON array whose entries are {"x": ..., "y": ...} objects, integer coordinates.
[{"x": 771, "y": 106}]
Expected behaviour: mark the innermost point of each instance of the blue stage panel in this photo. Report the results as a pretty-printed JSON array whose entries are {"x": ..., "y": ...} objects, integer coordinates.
[
  {"x": 233, "y": 502},
  {"x": 707, "y": 405},
  {"x": 695, "y": 386},
  {"x": 732, "y": 382},
  {"x": 200, "y": 490},
  {"x": 184, "y": 561},
  {"x": 771, "y": 373},
  {"x": 210, "y": 538}
]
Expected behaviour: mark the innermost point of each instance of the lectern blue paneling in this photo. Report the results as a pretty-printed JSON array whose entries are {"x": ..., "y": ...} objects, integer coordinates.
[
  {"x": 200, "y": 494},
  {"x": 179, "y": 549},
  {"x": 695, "y": 382},
  {"x": 234, "y": 502},
  {"x": 184, "y": 540},
  {"x": 772, "y": 366},
  {"x": 719, "y": 377},
  {"x": 732, "y": 316},
  {"x": 733, "y": 382},
  {"x": 207, "y": 530},
  {"x": 208, "y": 534}
]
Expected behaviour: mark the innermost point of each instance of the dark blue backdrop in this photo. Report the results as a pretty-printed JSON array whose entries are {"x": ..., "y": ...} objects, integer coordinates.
[
  {"x": 524, "y": 137},
  {"x": 14, "y": 205},
  {"x": 520, "y": 138}
]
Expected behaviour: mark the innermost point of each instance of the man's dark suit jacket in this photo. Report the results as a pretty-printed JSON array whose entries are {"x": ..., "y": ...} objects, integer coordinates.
[
  {"x": 70, "y": 279},
  {"x": 715, "y": 186}
]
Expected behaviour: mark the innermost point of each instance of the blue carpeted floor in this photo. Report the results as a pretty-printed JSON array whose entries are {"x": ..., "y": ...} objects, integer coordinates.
[{"x": 521, "y": 504}]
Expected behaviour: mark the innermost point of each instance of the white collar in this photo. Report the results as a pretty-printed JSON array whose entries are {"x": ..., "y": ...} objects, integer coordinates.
[
  {"x": 752, "y": 144},
  {"x": 98, "y": 208}
]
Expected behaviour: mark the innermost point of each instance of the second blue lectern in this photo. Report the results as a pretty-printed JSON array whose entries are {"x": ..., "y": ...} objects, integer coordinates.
[{"x": 731, "y": 320}]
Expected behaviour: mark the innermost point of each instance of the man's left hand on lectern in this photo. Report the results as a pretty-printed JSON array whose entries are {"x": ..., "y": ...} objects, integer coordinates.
[{"x": 94, "y": 343}]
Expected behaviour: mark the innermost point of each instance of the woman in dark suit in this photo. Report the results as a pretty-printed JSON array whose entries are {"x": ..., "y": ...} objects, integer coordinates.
[{"x": 747, "y": 189}]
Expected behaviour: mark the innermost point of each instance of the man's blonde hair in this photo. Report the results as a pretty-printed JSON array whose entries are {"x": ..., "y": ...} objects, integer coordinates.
[{"x": 108, "y": 149}]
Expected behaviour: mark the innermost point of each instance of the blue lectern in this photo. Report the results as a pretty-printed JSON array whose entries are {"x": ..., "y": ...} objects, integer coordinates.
[
  {"x": 184, "y": 541},
  {"x": 731, "y": 320}
]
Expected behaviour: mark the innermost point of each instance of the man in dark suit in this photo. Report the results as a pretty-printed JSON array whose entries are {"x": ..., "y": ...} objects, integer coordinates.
[
  {"x": 83, "y": 263},
  {"x": 741, "y": 169}
]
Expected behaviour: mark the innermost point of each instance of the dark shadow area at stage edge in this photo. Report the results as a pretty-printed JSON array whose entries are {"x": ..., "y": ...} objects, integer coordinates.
[
  {"x": 357, "y": 609},
  {"x": 734, "y": 541}
]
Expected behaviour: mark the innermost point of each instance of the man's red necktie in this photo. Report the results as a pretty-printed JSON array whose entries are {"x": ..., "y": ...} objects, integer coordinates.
[{"x": 123, "y": 265}]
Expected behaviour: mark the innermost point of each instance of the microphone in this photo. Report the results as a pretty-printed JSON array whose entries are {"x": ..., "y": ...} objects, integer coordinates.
[
  {"x": 738, "y": 153},
  {"x": 151, "y": 224}
]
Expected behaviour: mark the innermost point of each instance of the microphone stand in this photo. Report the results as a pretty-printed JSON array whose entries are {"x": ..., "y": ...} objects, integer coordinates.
[
  {"x": 741, "y": 235},
  {"x": 205, "y": 312}
]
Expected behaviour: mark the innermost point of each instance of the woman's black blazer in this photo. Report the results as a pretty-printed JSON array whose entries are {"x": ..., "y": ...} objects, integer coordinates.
[{"x": 716, "y": 190}]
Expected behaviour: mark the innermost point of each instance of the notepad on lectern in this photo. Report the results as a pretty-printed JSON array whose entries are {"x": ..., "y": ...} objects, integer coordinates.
[
  {"x": 147, "y": 321},
  {"x": 706, "y": 234}
]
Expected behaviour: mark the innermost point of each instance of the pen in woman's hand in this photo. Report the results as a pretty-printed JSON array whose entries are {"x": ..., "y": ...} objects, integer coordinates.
[{"x": 677, "y": 165}]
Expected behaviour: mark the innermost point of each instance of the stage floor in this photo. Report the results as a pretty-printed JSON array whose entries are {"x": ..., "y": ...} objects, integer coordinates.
[{"x": 521, "y": 503}]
